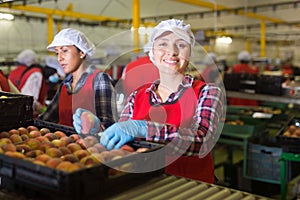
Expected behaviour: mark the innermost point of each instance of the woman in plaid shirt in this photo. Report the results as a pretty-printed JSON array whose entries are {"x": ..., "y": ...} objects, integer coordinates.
[
  {"x": 176, "y": 110},
  {"x": 85, "y": 88}
]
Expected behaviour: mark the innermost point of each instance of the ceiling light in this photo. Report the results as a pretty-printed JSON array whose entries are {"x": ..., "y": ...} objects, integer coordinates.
[
  {"x": 6, "y": 16},
  {"x": 223, "y": 40}
]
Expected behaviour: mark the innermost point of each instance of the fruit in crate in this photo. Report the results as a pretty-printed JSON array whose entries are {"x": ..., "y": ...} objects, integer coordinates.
[
  {"x": 292, "y": 131},
  {"x": 235, "y": 122},
  {"x": 52, "y": 149}
]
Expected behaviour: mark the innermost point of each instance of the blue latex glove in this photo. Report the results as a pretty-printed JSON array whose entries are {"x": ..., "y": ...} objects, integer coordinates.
[
  {"x": 118, "y": 134},
  {"x": 82, "y": 118}
]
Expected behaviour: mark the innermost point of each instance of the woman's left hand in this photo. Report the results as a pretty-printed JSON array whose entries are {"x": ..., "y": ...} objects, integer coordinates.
[{"x": 118, "y": 134}]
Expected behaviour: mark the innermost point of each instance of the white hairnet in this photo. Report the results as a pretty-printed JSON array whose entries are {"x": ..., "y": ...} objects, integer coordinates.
[
  {"x": 27, "y": 57},
  {"x": 51, "y": 61},
  {"x": 177, "y": 27},
  {"x": 244, "y": 56},
  {"x": 74, "y": 37},
  {"x": 210, "y": 59}
]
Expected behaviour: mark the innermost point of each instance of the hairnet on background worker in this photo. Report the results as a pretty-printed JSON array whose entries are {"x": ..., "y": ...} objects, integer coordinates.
[
  {"x": 27, "y": 57},
  {"x": 51, "y": 61},
  {"x": 29, "y": 78},
  {"x": 176, "y": 109},
  {"x": 84, "y": 88}
]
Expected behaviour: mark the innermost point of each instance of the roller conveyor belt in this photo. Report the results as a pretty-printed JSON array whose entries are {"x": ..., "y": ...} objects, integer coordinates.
[{"x": 176, "y": 188}]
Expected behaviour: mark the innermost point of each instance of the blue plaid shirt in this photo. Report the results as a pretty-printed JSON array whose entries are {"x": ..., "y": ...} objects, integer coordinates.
[{"x": 105, "y": 97}]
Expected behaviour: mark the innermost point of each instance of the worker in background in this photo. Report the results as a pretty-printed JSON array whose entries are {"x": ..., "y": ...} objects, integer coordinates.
[
  {"x": 139, "y": 72},
  {"x": 28, "y": 77},
  {"x": 177, "y": 110},
  {"x": 84, "y": 86},
  {"x": 6, "y": 85},
  {"x": 210, "y": 73},
  {"x": 244, "y": 67},
  {"x": 54, "y": 75}
]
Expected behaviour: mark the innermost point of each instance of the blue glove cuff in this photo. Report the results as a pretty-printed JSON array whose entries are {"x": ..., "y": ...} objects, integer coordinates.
[{"x": 141, "y": 126}]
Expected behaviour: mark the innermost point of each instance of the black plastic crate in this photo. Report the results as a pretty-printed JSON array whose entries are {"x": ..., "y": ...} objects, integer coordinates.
[
  {"x": 270, "y": 85},
  {"x": 96, "y": 182},
  {"x": 15, "y": 109},
  {"x": 287, "y": 140}
]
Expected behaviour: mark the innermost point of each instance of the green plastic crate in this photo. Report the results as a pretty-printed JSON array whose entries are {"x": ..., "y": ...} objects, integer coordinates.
[{"x": 251, "y": 125}]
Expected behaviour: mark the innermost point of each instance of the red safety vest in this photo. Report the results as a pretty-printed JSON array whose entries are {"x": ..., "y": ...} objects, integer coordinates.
[
  {"x": 4, "y": 82},
  {"x": 179, "y": 113},
  {"x": 15, "y": 75},
  {"x": 138, "y": 73},
  {"x": 84, "y": 98},
  {"x": 44, "y": 87}
]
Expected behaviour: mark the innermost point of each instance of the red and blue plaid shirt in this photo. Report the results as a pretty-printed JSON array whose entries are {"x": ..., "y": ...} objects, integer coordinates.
[{"x": 203, "y": 132}]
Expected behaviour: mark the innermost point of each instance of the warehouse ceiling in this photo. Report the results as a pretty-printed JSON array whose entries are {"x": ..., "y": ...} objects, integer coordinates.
[{"x": 238, "y": 18}]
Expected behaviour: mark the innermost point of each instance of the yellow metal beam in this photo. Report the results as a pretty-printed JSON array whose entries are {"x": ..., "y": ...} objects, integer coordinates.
[
  {"x": 263, "y": 38},
  {"x": 136, "y": 23},
  {"x": 212, "y": 6},
  {"x": 67, "y": 13}
]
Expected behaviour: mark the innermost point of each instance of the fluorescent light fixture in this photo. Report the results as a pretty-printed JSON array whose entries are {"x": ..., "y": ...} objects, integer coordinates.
[
  {"x": 6, "y": 16},
  {"x": 223, "y": 40}
]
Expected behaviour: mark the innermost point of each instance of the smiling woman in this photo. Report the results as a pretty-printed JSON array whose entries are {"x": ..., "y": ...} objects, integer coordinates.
[{"x": 176, "y": 110}]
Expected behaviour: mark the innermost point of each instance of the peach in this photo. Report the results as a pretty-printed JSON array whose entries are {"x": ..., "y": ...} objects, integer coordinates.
[
  {"x": 22, "y": 130},
  {"x": 127, "y": 148},
  {"x": 24, "y": 136},
  {"x": 34, "y": 153},
  {"x": 50, "y": 136},
  {"x": 81, "y": 153},
  {"x": 32, "y": 143},
  {"x": 43, "y": 158},
  {"x": 106, "y": 156},
  {"x": 4, "y": 134},
  {"x": 65, "y": 150},
  {"x": 59, "y": 134},
  {"x": 142, "y": 149},
  {"x": 87, "y": 122},
  {"x": 88, "y": 161},
  {"x": 9, "y": 147},
  {"x": 69, "y": 157},
  {"x": 64, "y": 166},
  {"x": 67, "y": 140},
  {"x": 54, "y": 152},
  {"x": 43, "y": 131},
  {"x": 13, "y": 131},
  {"x": 15, "y": 154},
  {"x": 58, "y": 143},
  {"x": 74, "y": 137},
  {"x": 38, "y": 162},
  {"x": 45, "y": 145},
  {"x": 53, "y": 162},
  {"x": 82, "y": 143},
  {"x": 118, "y": 152},
  {"x": 74, "y": 147},
  {"x": 5, "y": 141},
  {"x": 42, "y": 139},
  {"x": 74, "y": 167},
  {"x": 23, "y": 148},
  {"x": 100, "y": 147},
  {"x": 15, "y": 138},
  {"x": 92, "y": 150},
  {"x": 34, "y": 134},
  {"x": 31, "y": 128},
  {"x": 91, "y": 140}
]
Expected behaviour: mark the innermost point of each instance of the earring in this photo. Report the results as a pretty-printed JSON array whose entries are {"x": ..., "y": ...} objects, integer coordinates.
[{"x": 81, "y": 57}]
